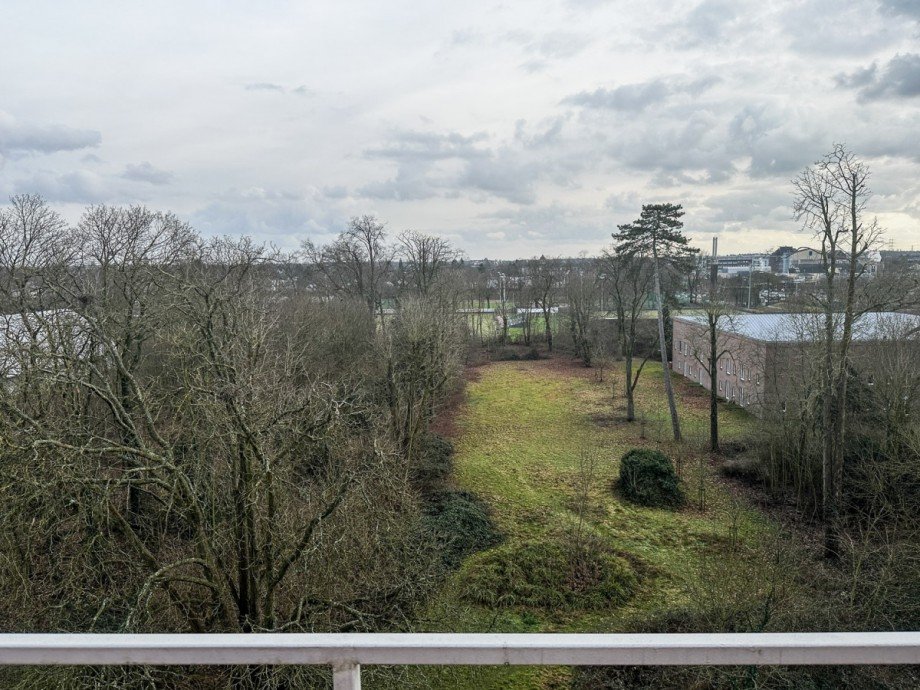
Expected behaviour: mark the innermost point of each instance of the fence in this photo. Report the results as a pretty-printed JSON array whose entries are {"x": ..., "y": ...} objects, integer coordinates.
[{"x": 346, "y": 653}]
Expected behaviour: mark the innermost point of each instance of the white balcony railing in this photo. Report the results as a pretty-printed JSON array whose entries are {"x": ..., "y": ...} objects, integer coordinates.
[{"x": 345, "y": 653}]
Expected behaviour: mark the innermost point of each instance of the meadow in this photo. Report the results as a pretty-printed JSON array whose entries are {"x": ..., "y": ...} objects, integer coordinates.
[{"x": 540, "y": 443}]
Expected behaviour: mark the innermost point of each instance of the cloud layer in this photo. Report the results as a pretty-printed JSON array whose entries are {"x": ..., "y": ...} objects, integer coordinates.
[{"x": 513, "y": 130}]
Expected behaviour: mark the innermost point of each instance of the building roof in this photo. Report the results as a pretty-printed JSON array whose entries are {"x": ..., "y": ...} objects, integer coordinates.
[{"x": 793, "y": 328}]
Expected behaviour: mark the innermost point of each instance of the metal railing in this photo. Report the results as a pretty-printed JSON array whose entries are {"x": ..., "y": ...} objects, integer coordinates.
[{"x": 346, "y": 653}]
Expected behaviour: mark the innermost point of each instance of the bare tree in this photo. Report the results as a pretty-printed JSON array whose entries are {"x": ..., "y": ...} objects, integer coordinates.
[
  {"x": 581, "y": 292},
  {"x": 357, "y": 263},
  {"x": 629, "y": 279},
  {"x": 545, "y": 277},
  {"x": 34, "y": 242},
  {"x": 428, "y": 257},
  {"x": 709, "y": 349},
  {"x": 424, "y": 353},
  {"x": 830, "y": 199},
  {"x": 209, "y": 442},
  {"x": 712, "y": 345}
]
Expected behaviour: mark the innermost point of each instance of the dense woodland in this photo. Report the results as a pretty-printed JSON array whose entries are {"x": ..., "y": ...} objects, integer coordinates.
[{"x": 205, "y": 434}]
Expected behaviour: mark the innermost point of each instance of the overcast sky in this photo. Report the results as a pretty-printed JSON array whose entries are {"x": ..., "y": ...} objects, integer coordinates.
[{"x": 514, "y": 129}]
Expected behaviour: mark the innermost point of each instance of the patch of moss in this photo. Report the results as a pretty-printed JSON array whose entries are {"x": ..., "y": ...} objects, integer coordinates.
[{"x": 547, "y": 574}]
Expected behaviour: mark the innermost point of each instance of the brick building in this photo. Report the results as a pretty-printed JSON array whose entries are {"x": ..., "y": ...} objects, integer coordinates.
[{"x": 766, "y": 355}]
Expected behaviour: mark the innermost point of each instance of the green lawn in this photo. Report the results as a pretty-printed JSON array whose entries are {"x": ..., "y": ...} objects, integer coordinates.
[{"x": 521, "y": 432}]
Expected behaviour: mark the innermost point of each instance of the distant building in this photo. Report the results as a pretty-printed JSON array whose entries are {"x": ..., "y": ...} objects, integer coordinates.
[
  {"x": 766, "y": 353},
  {"x": 737, "y": 264},
  {"x": 894, "y": 258},
  {"x": 779, "y": 260},
  {"x": 810, "y": 263},
  {"x": 806, "y": 260}
]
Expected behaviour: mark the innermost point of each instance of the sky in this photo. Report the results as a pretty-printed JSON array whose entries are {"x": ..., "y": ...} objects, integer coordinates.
[{"x": 513, "y": 129}]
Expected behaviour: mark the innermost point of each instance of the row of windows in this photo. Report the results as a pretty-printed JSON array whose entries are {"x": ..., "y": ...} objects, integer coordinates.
[
  {"x": 726, "y": 364},
  {"x": 727, "y": 391},
  {"x": 733, "y": 393}
]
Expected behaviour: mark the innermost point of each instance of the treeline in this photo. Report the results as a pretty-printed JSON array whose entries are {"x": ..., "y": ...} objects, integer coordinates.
[{"x": 189, "y": 444}]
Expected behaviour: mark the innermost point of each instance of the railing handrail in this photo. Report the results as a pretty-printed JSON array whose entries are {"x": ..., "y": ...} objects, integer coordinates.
[{"x": 462, "y": 648}]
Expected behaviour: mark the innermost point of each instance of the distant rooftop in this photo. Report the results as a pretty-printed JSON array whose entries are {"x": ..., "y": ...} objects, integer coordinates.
[{"x": 792, "y": 328}]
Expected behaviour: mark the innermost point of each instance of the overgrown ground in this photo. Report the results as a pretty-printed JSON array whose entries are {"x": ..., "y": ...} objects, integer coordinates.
[{"x": 521, "y": 435}]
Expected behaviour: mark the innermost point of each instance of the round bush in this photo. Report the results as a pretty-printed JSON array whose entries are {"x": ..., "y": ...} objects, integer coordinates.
[
  {"x": 647, "y": 477},
  {"x": 547, "y": 574},
  {"x": 461, "y": 525}
]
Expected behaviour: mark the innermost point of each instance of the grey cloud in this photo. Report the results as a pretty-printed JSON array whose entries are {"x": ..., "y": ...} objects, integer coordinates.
[
  {"x": 898, "y": 78},
  {"x": 264, "y": 86},
  {"x": 769, "y": 203},
  {"x": 777, "y": 142},
  {"x": 551, "y": 223},
  {"x": 559, "y": 44},
  {"x": 462, "y": 37},
  {"x": 277, "y": 88},
  {"x": 622, "y": 203},
  {"x": 629, "y": 97},
  {"x": 335, "y": 192},
  {"x": 284, "y": 218},
  {"x": 907, "y": 8},
  {"x": 546, "y": 48},
  {"x": 898, "y": 139},
  {"x": 20, "y": 137},
  {"x": 541, "y": 139},
  {"x": 446, "y": 165},
  {"x": 409, "y": 184},
  {"x": 706, "y": 23},
  {"x": 504, "y": 176},
  {"x": 428, "y": 146},
  {"x": 858, "y": 79},
  {"x": 694, "y": 144},
  {"x": 638, "y": 97},
  {"x": 80, "y": 186},
  {"x": 145, "y": 172},
  {"x": 534, "y": 66},
  {"x": 830, "y": 27}
]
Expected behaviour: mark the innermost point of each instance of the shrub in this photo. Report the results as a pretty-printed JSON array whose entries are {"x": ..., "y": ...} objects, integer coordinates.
[
  {"x": 505, "y": 353},
  {"x": 647, "y": 477},
  {"x": 532, "y": 354},
  {"x": 745, "y": 469},
  {"x": 547, "y": 574},
  {"x": 461, "y": 525},
  {"x": 434, "y": 463}
]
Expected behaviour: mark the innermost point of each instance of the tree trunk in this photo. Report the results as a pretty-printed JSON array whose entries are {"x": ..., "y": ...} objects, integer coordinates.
[
  {"x": 830, "y": 490},
  {"x": 675, "y": 423},
  {"x": 713, "y": 384},
  {"x": 630, "y": 399}
]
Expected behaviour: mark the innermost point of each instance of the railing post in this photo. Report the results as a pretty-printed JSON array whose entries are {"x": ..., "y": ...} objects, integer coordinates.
[{"x": 346, "y": 676}]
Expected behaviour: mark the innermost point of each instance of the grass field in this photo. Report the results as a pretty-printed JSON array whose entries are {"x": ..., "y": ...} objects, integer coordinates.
[{"x": 519, "y": 437}]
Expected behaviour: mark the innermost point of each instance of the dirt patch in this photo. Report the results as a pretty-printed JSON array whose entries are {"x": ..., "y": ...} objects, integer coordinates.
[
  {"x": 445, "y": 421},
  {"x": 567, "y": 365},
  {"x": 778, "y": 508},
  {"x": 607, "y": 420}
]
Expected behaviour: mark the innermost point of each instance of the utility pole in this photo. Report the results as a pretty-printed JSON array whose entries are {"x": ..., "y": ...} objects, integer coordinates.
[
  {"x": 713, "y": 268},
  {"x": 501, "y": 283},
  {"x": 750, "y": 282}
]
